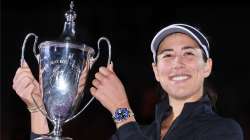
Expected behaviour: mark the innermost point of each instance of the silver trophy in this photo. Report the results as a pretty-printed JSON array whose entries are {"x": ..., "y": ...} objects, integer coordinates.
[{"x": 63, "y": 68}]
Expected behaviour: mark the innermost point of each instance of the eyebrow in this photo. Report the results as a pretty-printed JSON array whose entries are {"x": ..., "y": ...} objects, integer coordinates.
[
  {"x": 165, "y": 50},
  {"x": 189, "y": 47}
]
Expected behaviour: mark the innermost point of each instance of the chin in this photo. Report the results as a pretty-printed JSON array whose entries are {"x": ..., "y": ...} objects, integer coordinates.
[
  {"x": 180, "y": 97},
  {"x": 181, "y": 94}
]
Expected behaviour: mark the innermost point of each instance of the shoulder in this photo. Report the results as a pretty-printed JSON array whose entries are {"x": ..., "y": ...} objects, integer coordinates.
[
  {"x": 226, "y": 125},
  {"x": 221, "y": 128}
]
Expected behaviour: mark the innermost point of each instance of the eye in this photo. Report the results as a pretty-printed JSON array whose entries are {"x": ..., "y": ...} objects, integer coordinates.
[
  {"x": 167, "y": 55},
  {"x": 189, "y": 53}
]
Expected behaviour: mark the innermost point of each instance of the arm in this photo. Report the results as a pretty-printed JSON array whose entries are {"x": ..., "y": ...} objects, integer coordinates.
[
  {"x": 226, "y": 129},
  {"x": 130, "y": 131},
  {"x": 25, "y": 84},
  {"x": 39, "y": 124},
  {"x": 108, "y": 89}
]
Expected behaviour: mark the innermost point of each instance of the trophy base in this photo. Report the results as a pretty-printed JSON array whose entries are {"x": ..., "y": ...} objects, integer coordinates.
[{"x": 52, "y": 138}]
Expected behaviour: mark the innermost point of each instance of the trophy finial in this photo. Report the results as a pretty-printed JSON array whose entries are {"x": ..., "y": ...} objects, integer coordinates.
[
  {"x": 70, "y": 15},
  {"x": 68, "y": 33},
  {"x": 71, "y": 5}
]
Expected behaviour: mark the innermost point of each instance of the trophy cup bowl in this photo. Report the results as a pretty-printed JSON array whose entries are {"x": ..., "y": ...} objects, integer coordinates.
[{"x": 61, "y": 66}]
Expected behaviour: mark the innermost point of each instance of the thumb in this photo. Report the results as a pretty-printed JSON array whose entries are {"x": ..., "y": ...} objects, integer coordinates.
[
  {"x": 24, "y": 64},
  {"x": 111, "y": 66}
]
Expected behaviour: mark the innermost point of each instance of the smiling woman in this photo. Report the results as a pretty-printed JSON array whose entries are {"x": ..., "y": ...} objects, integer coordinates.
[
  {"x": 180, "y": 68},
  {"x": 181, "y": 65}
]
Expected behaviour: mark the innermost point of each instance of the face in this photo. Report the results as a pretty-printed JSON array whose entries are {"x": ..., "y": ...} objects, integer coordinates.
[{"x": 180, "y": 67}]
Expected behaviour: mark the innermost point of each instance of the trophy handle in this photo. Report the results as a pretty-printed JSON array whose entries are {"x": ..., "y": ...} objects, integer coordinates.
[
  {"x": 37, "y": 57},
  {"x": 24, "y": 45},
  {"x": 92, "y": 61}
]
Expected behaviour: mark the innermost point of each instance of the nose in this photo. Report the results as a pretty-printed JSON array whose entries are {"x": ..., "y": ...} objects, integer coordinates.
[{"x": 178, "y": 62}]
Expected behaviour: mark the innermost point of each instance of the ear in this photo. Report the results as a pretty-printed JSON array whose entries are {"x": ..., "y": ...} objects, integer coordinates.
[
  {"x": 154, "y": 66},
  {"x": 208, "y": 67}
]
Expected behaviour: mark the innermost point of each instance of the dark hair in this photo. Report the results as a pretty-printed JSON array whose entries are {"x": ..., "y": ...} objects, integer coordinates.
[
  {"x": 208, "y": 89},
  {"x": 211, "y": 92}
]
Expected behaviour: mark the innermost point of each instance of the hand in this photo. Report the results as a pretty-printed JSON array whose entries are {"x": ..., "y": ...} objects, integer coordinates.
[
  {"x": 25, "y": 84},
  {"x": 108, "y": 89}
]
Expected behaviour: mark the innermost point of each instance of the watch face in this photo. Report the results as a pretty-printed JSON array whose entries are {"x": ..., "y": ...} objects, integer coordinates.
[{"x": 121, "y": 114}]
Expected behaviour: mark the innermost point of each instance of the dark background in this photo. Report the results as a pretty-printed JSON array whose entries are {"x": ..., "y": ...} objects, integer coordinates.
[{"x": 130, "y": 26}]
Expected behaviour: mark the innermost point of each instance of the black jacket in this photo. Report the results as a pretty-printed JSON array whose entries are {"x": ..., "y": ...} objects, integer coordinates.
[{"x": 197, "y": 121}]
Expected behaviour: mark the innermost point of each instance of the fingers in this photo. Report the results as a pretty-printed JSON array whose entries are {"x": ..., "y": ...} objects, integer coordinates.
[
  {"x": 105, "y": 100},
  {"x": 24, "y": 69},
  {"x": 20, "y": 72},
  {"x": 108, "y": 89},
  {"x": 104, "y": 75},
  {"x": 93, "y": 90},
  {"x": 23, "y": 78},
  {"x": 25, "y": 84},
  {"x": 96, "y": 83},
  {"x": 22, "y": 83},
  {"x": 99, "y": 76},
  {"x": 23, "y": 72},
  {"x": 94, "y": 93},
  {"x": 26, "y": 96},
  {"x": 105, "y": 71},
  {"x": 36, "y": 84},
  {"x": 23, "y": 92}
]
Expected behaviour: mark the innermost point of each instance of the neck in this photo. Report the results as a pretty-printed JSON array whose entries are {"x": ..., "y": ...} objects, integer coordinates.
[{"x": 178, "y": 104}]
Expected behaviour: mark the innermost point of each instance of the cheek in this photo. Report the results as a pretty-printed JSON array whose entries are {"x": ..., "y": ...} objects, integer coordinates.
[
  {"x": 198, "y": 70},
  {"x": 163, "y": 73},
  {"x": 163, "y": 70}
]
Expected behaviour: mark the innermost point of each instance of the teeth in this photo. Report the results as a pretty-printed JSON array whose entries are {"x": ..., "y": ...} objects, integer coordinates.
[{"x": 179, "y": 78}]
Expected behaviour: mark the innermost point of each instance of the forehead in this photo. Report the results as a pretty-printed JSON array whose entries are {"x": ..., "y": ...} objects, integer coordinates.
[{"x": 177, "y": 40}]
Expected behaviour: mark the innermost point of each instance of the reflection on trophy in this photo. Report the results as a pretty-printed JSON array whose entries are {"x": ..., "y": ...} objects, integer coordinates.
[{"x": 63, "y": 68}]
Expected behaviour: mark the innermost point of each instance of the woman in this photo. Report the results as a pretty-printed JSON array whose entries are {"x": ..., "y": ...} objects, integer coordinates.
[{"x": 181, "y": 64}]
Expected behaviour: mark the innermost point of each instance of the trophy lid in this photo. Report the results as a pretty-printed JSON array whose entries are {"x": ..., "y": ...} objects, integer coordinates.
[{"x": 68, "y": 36}]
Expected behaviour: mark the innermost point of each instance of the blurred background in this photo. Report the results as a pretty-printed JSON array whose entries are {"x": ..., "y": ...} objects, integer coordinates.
[{"x": 130, "y": 26}]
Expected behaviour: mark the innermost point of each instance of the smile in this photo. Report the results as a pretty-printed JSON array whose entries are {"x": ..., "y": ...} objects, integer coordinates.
[{"x": 179, "y": 77}]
